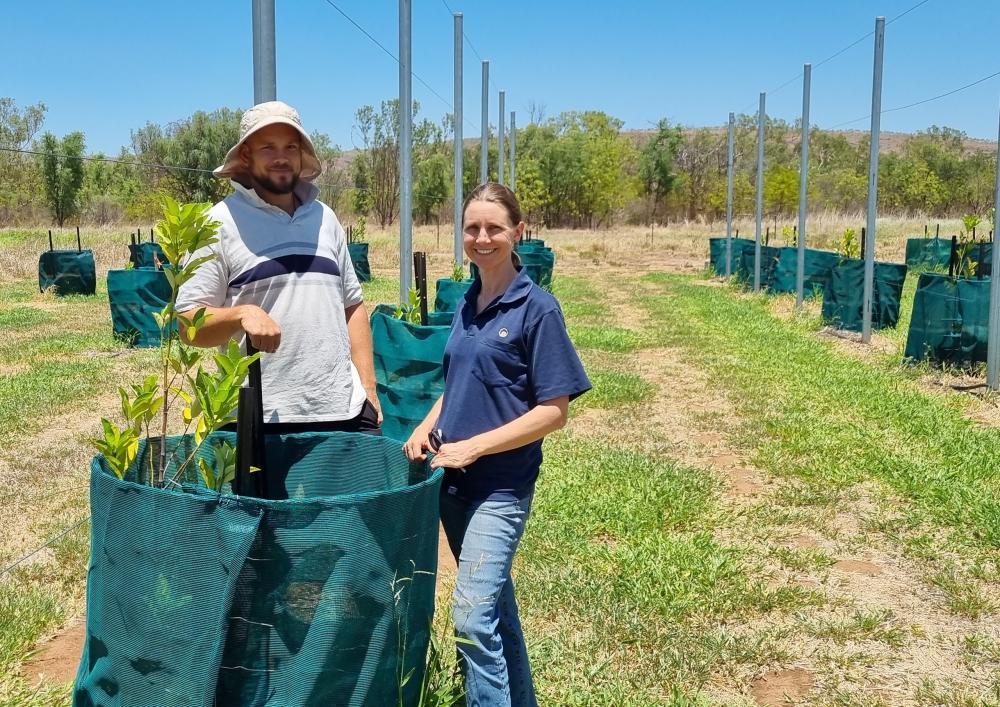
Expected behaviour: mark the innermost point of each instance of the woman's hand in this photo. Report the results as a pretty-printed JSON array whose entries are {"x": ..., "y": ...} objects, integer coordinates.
[
  {"x": 417, "y": 445},
  {"x": 457, "y": 455}
]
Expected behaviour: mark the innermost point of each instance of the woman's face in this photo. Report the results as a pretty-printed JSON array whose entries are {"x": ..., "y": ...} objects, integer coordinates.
[{"x": 488, "y": 234}]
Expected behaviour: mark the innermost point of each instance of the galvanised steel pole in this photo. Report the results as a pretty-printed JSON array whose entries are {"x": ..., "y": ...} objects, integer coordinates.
[
  {"x": 800, "y": 275},
  {"x": 459, "y": 146},
  {"x": 513, "y": 151},
  {"x": 866, "y": 311},
  {"x": 484, "y": 138},
  {"x": 500, "y": 136},
  {"x": 729, "y": 197},
  {"x": 405, "y": 153},
  {"x": 760, "y": 193},
  {"x": 993, "y": 335},
  {"x": 264, "y": 74}
]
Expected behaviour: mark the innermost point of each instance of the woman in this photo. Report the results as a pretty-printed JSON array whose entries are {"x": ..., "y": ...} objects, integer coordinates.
[{"x": 510, "y": 372}]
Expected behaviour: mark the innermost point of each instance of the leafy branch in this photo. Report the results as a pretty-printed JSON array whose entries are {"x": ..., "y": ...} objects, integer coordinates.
[{"x": 209, "y": 398}]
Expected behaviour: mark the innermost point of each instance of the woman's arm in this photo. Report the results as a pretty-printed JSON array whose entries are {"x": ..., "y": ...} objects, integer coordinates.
[
  {"x": 417, "y": 442},
  {"x": 546, "y": 417}
]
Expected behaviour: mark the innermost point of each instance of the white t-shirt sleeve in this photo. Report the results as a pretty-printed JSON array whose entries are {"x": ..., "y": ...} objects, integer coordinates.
[
  {"x": 352, "y": 293},
  {"x": 208, "y": 286}
]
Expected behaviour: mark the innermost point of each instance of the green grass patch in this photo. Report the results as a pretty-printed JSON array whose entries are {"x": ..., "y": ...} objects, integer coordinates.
[
  {"x": 19, "y": 291},
  {"x": 876, "y": 625},
  {"x": 829, "y": 418},
  {"x": 385, "y": 290},
  {"x": 605, "y": 338},
  {"x": 614, "y": 389},
  {"x": 19, "y": 317},
  {"x": 47, "y": 389},
  {"x": 25, "y": 614},
  {"x": 619, "y": 570}
]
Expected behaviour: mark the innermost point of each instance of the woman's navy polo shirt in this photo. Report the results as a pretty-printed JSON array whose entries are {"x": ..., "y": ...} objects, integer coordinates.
[{"x": 498, "y": 365}]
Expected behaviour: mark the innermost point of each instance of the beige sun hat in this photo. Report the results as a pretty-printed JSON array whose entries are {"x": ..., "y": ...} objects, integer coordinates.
[{"x": 260, "y": 116}]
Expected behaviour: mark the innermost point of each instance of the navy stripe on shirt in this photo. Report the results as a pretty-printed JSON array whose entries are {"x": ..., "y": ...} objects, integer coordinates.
[{"x": 285, "y": 265}]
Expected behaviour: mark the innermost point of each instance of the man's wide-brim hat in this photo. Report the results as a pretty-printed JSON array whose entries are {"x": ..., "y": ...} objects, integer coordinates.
[{"x": 259, "y": 117}]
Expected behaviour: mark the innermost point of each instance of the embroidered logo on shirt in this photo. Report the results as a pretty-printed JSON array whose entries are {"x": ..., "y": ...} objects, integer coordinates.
[{"x": 503, "y": 333}]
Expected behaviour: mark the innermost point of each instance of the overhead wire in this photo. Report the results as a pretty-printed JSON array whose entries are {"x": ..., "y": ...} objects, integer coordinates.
[{"x": 392, "y": 56}]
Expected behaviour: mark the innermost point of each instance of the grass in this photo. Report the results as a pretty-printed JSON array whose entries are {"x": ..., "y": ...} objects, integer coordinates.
[
  {"x": 874, "y": 625},
  {"x": 637, "y": 584},
  {"x": 640, "y": 584},
  {"x": 613, "y": 339},
  {"x": 796, "y": 392},
  {"x": 613, "y": 389}
]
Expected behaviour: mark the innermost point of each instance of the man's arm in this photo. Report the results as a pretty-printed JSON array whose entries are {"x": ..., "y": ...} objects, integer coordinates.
[
  {"x": 360, "y": 333},
  {"x": 224, "y": 323}
]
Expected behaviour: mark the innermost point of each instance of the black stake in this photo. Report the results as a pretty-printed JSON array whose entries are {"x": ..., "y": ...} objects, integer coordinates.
[
  {"x": 151, "y": 236},
  {"x": 420, "y": 275},
  {"x": 50, "y": 240},
  {"x": 133, "y": 238},
  {"x": 982, "y": 257},
  {"x": 864, "y": 237},
  {"x": 250, "y": 435},
  {"x": 925, "y": 230},
  {"x": 951, "y": 257},
  {"x": 79, "y": 248},
  {"x": 937, "y": 230}
]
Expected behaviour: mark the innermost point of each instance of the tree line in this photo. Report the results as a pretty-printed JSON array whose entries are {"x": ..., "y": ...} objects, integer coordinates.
[{"x": 577, "y": 169}]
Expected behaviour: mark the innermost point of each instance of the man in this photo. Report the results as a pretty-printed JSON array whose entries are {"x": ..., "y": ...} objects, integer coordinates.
[{"x": 284, "y": 278}]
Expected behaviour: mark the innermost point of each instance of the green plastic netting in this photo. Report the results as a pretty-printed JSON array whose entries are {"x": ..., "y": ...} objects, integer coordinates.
[
  {"x": 409, "y": 368},
  {"x": 768, "y": 261},
  {"x": 448, "y": 293},
  {"x": 818, "y": 265},
  {"x": 359, "y": 258},
  {"x": 135, "y": 295},
  {"x": 717, "y": 254},
  {"x": 146, "y": 255},
  {"x": 928, "y": 253},
  {"x": 68, "y": 272},
  {"x": 843, "y": 297},
  {"x": 950, "y": 320},
  {"x": 323, "y": 597},
  {"x": 535, "y": 243}
]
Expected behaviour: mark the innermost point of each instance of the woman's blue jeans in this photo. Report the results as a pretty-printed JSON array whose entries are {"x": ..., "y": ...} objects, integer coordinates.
[{"x": 483, "y": 536}]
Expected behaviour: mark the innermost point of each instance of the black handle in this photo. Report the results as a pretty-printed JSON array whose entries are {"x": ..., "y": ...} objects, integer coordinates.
[{"x": 250, "y": 434}]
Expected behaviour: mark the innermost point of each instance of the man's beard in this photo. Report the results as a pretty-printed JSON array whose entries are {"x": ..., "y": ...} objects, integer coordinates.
[{"x": 269, "y": 184}]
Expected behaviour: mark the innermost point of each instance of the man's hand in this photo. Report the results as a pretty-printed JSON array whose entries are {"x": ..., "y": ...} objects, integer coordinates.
[
  {"x": 372, "y": 394},
  {"x": 264, "y": 332}
]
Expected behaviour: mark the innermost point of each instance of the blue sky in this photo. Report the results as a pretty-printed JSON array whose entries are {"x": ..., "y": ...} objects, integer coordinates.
[{"x": 108, "y": 67}]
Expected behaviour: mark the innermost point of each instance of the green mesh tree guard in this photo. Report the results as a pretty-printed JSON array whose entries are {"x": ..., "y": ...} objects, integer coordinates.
[
  {"x": 717, "y": 254},
  {"x": 843, "y": 298},
  {"x": 409, "y": 368},
  {"x": 323, "y": 596},
  {"x": 146, "y": 255},
  {"x": 359, "y": 258},
  {"x": 768, "y": 261},
  {"x": 928, "y": 253},
  {"x": 535, "y": 244},
  {"x": 950, "y": 320},
  {"x": 134, "y": 296},
  {"x": 818, "y": 264},
  {"x": 448, "y": 293},
  {"x": 68, "y": 272}
]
